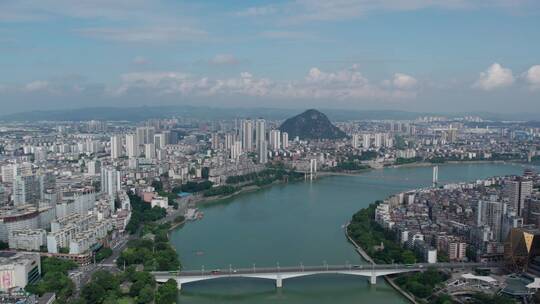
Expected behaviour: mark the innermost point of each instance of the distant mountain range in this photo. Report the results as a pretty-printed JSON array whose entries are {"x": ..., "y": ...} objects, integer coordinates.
[
  {"x": 211, "y": 113},
  {"x": 311, "y": 124}
]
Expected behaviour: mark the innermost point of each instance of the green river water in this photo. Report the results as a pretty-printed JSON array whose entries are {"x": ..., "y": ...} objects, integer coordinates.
[{"x": 299, "y": 223}]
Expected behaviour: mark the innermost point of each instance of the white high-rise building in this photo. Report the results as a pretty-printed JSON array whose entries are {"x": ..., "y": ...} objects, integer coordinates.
[
  {"x": 116, "y": 147},
  {"x": 140, "y": 132},
  {"x": 150, "y": 151},
  {"x": 236, "y": 150},
  {"x": 260, "y": 137},
  {"x": 275, "y": 140},
  {"x": 379, "y": 138},
  {"x": 214, "y": 141},
  {"x": 247, "y": 135},
  {"x": 25, "y": 190},
  {"x": 355, "y": 141},
  {"x": 366, "y": 141},
  {"x": 110, "y": 181},
  {"x": 229, "y": 141},
  {"x": 285, "y": 140},
  {"x": 132, "y": 146},
  {"x": 94, "y": 167},
  {"x": 9, "y": 172},
  {"x": 145, "y": 135},
  {"x": 490, "y": 213}
]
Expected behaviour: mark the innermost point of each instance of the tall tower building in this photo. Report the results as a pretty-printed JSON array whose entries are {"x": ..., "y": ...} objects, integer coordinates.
[
  {"x": 25, "y": 190},
  {"x": 132, "y": 146},
  {"x": 150, "y": 151},
  {"x": 285, "y": 140},
  {"x": 517, "y": 191},
  {"x": 110, "y": 181},
  {"x": 247, "y": 135},
  {"x": 214, "y": 141},
  {"x": 159, "y": 141},
  {"x": 275, "y": 140},
  {"x": 94, "y": 167},
  {"x": 435, "y": 176},
  {"x": 366, "y": 141},
  {"x": 116, "y": 147},
  {"x": 229, "y": 141},
  {"x": 260, "y": 139},
  {"x": 355, "y": 141},
  {"x": 490, "y": 213}
]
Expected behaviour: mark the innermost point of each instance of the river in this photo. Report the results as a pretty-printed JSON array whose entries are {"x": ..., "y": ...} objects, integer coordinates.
[{"x": 298, "y": 223}]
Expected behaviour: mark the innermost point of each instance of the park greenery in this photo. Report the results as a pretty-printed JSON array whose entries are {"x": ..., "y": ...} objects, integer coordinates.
[
  {"x": 141, "y": 213},
  {"x": 369, "y": 235},
  {"x": 193, "y": 187},
  {"x": 130, "y": 286},
  {"x": 403, "y": 161},
  {"x": 422, "y": 284},
  {"x": 273, "y": 172},
  {"x": 153, "y": 250},
  {"x": 347, "y": 166},
  {"x": 221, "y": 190},
  {"x": 55, "y": 279},
  {"x": 103, "y": 253}
]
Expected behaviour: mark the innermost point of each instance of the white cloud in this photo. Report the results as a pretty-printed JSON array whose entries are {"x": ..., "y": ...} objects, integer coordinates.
[
  {"x": 494, "y": 77},
  {"x": 285, "y": 35},
  {"x": 532, "y": 76},
  {"x": 257, "y": 11},
  {"x": 224, "y": 59},
  {"x": 345, "y": 84},
  {"x": 154, "y": 34},
  {"x": 37, "y": 85},
  {"x": 140, "y": 60},
  {"x": 404, "y": 81}
]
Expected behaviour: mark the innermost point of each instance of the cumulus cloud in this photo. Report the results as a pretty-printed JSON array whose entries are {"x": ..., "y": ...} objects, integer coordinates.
[
  {"x": 345, "y": 84},
  {"x": 224, "y": 59},
  {"x": 532, "y": 76},
  {"x": 404, "y": 81},
  {"x": 37, "y": 85},
  {"x": 496, "y": 76}
]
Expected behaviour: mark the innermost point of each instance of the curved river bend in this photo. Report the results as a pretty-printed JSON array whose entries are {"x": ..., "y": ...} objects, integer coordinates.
[{"x": 300, "y": 222}]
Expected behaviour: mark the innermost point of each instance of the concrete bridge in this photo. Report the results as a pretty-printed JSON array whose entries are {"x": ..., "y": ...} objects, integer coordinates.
[{"x": 278, "y": 274}]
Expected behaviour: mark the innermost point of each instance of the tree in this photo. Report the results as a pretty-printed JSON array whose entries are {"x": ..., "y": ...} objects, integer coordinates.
[
  {"x": 205, "y": 172},
  {"x": 146, "y": 295},
  {"x": 103, "y": 253},
  {"x": 408, "y": 257},
  {"x": 167, "y": 293},
  {"x": 107, "y": 281},
  {"x": 93, "y": 293}
]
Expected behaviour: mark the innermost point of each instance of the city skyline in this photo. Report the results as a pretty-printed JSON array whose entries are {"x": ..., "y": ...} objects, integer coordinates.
[{"x": 446, "y": 55}]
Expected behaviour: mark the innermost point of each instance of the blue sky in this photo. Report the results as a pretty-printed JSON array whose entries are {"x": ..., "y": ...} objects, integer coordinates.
[{"x": 416, "y": 55}]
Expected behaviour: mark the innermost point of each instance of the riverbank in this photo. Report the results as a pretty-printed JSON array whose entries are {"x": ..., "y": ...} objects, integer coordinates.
[
  {"x": 367, "y": 258},
  {"x": 252, "y": 188}
]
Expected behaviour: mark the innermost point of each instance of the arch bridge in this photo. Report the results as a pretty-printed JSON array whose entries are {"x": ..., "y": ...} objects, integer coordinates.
[{"x": 278, "y": 274}]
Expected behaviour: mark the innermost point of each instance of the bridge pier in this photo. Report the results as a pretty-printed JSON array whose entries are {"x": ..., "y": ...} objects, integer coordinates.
[
  {"x": 279, "y": 282},
  {"x": 373, "y": 279}
]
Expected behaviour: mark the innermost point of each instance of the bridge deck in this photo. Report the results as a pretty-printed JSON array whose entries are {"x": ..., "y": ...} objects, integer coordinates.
[{"x": 321, "y": 269}]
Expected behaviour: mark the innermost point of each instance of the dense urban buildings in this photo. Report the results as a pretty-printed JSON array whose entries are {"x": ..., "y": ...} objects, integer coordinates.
[{"x": 67, "y": 188}]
